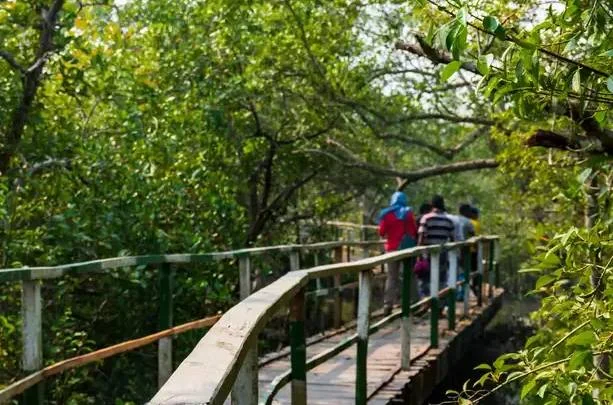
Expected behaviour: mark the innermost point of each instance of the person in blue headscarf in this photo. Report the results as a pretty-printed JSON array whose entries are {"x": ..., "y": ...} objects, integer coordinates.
[{"x": 397, "y": 225}]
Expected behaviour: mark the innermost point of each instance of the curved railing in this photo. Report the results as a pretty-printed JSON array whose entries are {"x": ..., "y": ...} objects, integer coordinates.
[
  {"x": 225, "y": 359},
  {"x": 31, "y": 279}
]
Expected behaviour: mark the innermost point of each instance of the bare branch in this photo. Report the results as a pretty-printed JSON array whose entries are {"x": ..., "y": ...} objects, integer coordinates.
[
  {"x": 444, "y": 117},
  {"x": 407, "y": 177},
  {"x": 446, "y": 153},
  {"x": 457, "y": 167}
]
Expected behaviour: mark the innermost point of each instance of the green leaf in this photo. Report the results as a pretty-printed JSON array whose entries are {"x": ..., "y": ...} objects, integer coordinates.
[
  {"x": 580, "y": 358},
  {"x": 608, "y": 53},
  {"x": 576, "y": 82},
  {"x": 545, "y": 280},
  {"x": 541, "y": 391},
  {"x": 459, "y": 43},
  {"x": 529, "y": 386},
  {"x": 484, "y": 62},
  {"x": 450, "y": 70},
  {"x": 610, "y": 83},
  {"x": 582, "y": 177},
  {"x": 585, "y": 338},
  {"x": 483, "y": 366},
  {"x": 490, "y": 23},
  {"x": 501, "y": 92},
  {"x": 451, "y": 35}
]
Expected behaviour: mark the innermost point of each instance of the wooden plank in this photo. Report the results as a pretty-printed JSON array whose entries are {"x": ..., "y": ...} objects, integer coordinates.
[{"x": 20, "y": 386}]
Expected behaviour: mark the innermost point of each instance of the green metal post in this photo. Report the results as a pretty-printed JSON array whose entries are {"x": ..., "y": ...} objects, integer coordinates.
[
  {"x": 434, "y": 307},
  {"x": 405, "y": 351},
  {"x": 298, "y": 350},
  {"x": 361, "y": 381},
  {"x": 466, "y": 255},
  {"x": 165, "y": 322}
]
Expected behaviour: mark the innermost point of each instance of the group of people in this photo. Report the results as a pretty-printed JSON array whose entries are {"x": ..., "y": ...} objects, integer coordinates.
[{"x": 434, "y": 226}]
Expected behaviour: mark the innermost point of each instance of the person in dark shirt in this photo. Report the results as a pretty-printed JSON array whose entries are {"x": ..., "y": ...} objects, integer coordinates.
[{"x": 436, "y": 228}]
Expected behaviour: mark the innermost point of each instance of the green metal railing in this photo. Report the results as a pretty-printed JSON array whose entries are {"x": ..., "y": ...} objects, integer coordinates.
[{"x": 233, "y": 340}]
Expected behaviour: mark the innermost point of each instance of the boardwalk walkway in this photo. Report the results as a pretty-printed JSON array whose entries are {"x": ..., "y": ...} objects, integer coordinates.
[{"x": 333, "y": 382}]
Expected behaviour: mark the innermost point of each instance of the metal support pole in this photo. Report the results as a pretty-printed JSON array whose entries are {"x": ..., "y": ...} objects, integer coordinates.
[
  {"x": 165, "y": 322},
  {"x": 245, "y": 389},
  {"x": 32, "y": 332},
  {"x": 405, "y": 350},
  {"x": 434, "y": 277},
  {"x": 298, "y": 350},
  {"x": 361, "y": 382},
  {"x": 467, "y": 267},
  {"x": 453, "y": 279}
]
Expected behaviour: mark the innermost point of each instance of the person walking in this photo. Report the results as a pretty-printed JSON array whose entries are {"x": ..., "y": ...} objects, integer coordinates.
[
  {"x": 397, "y": 225},
  {"x": 467, "y": 231},
  {"x": 436, "y": 228}
]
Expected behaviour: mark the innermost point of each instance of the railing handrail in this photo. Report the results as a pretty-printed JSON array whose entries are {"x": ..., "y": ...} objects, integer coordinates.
[
  {"x": 49, "y": 272},
  {"x": 199, "y": 379}
]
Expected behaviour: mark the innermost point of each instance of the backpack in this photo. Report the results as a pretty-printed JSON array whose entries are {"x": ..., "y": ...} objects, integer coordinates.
[{"x": 407, "y": 241}]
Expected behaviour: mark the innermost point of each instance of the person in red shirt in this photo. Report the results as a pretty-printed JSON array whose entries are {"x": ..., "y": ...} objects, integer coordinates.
[{"x": 397, "y": 225}]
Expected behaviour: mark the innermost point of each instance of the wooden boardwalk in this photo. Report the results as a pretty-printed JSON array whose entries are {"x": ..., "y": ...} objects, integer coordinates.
[{"x": 333, "y": 381}]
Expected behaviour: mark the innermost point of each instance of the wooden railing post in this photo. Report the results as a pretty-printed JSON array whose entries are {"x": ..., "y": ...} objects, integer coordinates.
[
  {"x": 467, "y": 255},
  {"x": 32, "y": 331},
  {"x": 453, "y": 279},
  {"x": 490, "y": 266},
  {"x": 497, "y": 264},
  {"x": 479, "y": 281},
  {"x": 298, "y": 350},
  {"x": 338, "y": 297},
  {"x": 294, "y": 260},
  {"x": 245, "y": 389},
  {"x": 244, "y": 276},
  {"x": 434, "y": 308},
  {"x": 361, "y": 382},
  {"x": 165, "y": 322},
  {"x": 405, "y": 348}
]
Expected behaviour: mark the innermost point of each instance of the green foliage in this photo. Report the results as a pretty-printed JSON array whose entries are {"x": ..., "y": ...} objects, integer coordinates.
[{"x": 574, "y": 328}]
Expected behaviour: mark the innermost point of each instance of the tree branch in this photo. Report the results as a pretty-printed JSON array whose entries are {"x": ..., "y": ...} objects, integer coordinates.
[
  {"x": 10, "y": 59},
  {"x": 406, "y": 177},
  {"x": 424, "y": 50},
  {"x": 457, "y": 167},
  {"x": 31, "y": 82},
  {"x": 446, "y": 153}
]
